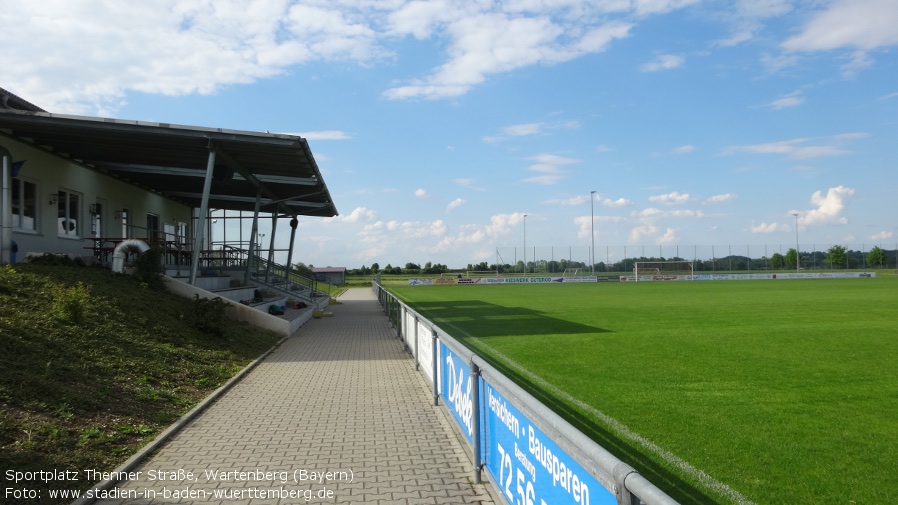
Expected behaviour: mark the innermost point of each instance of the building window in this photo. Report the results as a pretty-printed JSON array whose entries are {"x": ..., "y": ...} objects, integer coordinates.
[
  {"x": 182, "y": 232},
  {"x": 69, "y": 212},
  {"x": 126, "y": 228},
  {"x": 24, "y": 205},
  {"x": 96, "y": 220},
  {"x": 152, "y": 227}
]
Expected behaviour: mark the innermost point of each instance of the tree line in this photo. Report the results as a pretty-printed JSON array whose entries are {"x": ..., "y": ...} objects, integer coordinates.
[{"x": 836, "y": 257}]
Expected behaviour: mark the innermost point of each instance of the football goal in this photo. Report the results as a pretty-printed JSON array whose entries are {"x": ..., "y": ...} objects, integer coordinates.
[{"x": 663, "y": 270}]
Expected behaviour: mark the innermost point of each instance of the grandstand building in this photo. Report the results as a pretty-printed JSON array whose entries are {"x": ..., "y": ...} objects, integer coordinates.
[{"x": 82, "y": 186}]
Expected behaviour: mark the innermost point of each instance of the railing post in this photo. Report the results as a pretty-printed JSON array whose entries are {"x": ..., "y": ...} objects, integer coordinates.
[
  {"x": 475, "y": 422},
  {"x": 435, "y": 353},
  {"x": 417, "y": 363},
  {"x": 624, "y": 496}
]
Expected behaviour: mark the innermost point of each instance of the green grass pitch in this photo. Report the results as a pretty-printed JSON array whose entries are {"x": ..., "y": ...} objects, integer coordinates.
[{"x": 719, "y": 392}]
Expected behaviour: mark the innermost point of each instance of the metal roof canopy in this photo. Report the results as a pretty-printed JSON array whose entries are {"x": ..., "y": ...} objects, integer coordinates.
[{"x": 171, "y": 160}]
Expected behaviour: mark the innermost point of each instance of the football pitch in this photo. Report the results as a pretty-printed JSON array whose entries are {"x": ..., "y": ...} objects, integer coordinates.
[{"x": 718, "y": 392}]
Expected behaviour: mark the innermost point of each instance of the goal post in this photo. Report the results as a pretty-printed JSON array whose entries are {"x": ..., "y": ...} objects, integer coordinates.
[
  {"x": 481, "y": 274},
  {"x": 663, "y": 270}
]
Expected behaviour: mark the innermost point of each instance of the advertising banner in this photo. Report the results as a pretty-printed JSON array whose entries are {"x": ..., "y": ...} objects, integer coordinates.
[
  {"x": 528, "y": 467},
  {"x": 524, "y": 280},
  {"x": 456, "y": 389}
]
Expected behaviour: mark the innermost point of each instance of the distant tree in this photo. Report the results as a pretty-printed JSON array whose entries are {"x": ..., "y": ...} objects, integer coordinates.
[
  {"x": 777, "y": 261},
  {"x": 479, "y": 266},
  {"x": 303, "y": 269},
  {"x": 791, "y": 258},
  {"x": 836, "y": 255},
  {"x": 876, "y": 257},
  {"x": 375, "y": 268}
]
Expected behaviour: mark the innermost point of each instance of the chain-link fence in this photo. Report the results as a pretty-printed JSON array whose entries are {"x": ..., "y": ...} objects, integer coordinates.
[{"x": 706, "y": 258}]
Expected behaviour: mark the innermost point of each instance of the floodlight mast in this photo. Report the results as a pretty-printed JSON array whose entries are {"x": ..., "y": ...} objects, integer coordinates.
[
  {"x": 525, "y": 243},
  {"x": 797, "y": 261},
  {"x": 592, "y": 231}
]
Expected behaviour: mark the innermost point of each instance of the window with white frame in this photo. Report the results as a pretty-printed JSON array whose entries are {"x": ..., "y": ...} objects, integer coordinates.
[
  {"x": 69, "y": 213},
  {"x": 24, "y": 204}
]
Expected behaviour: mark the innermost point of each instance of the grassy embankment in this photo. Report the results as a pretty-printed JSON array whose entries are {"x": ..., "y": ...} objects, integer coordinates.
[{"x": 93, "y": 365}]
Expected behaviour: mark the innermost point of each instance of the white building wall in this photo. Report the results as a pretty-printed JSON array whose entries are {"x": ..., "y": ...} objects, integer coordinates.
[{"x": 52, "y": 173}]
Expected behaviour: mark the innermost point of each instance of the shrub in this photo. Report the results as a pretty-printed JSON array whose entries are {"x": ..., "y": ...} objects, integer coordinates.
[
  {"x": 71, "y": 304},
  {"x": 208, "y": 315},
  {"x": 148, "y": 267}
]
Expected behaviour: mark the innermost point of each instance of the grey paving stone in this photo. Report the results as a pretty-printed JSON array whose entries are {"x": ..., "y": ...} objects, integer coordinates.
[{"x": 338, "y": 403}]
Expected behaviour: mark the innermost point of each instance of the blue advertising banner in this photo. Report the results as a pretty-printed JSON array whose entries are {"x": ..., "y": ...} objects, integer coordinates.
[
  {"x": 528, "y": 467},
  {"x": 456, "y": 388}
]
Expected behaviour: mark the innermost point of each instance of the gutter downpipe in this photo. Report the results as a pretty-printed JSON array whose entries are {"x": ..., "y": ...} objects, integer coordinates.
[
  {"x": 6, "y": 211},
  {"x": 201, "y": 219}
]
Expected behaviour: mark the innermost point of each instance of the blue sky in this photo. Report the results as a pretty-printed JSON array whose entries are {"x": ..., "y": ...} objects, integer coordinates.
[{"x": 439, "y": 124}]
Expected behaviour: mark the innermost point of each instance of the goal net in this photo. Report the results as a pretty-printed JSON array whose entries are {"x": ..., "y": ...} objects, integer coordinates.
[
  {"x": 571, "y": 272},
  {"x": 662, "y": 270}
]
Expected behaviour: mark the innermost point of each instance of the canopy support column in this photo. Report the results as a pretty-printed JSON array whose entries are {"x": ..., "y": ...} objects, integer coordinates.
[
  {"x": 274, "y": 226},
  {"x": 251, "y": 253},
  {"x": 6, "y": 211},
  {"x": 293, "y": 224},
  {"x": 201, "y": 219}
]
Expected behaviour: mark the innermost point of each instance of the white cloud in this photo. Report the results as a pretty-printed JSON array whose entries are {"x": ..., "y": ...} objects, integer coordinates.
[
  {"x": 747, "y": 19},
  {"x": 828, "y": 208},
  {"x": 860, "y": 24},
  {"x": 798, "y": 149},
  {"x": 620, "y": 202},
  {"x": 584, "y": 199},
  {"x": 499, "y": 225},
  {"x": 663, "y": 62},
  {"x": 421, "y": 194},
  {"x": 549, "y": 165},
  {"x": 652, "y": 212},
  {"x": 522, "y": 129},
  {"x": 645, "y": 7},
  {"x": 80, "y": 58},
  {"x": 73, "y": 57},
  {"x": 527, "y": 129},
  {"x": 790, "y": 100},
  {"x": 669, "y": 237},
  {"x": 324, "y": 135},
  {"x": 485, "y": 43},
  {"x": 468, "y": 183},
  {"x": 572, "y": 201},
  {"x": 883, "y": 235},
  {"x": 358, "y": 214},
  {"x": 643, "y": 230},
  {"x": 684, "y": 149},
  {"x": 768, "y": 227},
  {"x": 726, "y": 197},
  {"x": 674, "y": 198},
  {"x": 455, "y": 204}
]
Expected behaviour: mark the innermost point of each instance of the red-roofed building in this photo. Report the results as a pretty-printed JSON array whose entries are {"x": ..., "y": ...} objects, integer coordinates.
[{"x": 335, "y": 276}]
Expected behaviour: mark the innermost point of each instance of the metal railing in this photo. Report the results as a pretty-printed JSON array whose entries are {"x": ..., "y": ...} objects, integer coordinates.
[
  {"x": 277, "y": 276},
  {"x": 531, "y": 454}
]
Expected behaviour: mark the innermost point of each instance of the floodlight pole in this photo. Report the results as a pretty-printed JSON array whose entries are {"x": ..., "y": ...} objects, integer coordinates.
[
  {"x": 592, "y": 231},
  {"x": 797, "y": 262},
  {"x": 525, "y": 243}
]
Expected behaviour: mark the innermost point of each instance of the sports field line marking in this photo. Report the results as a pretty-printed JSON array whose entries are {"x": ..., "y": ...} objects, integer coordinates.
[{"x": 619, "y": 428}]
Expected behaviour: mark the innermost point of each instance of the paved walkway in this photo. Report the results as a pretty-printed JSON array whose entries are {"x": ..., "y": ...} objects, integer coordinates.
[{"x": 337, "y": 414}]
